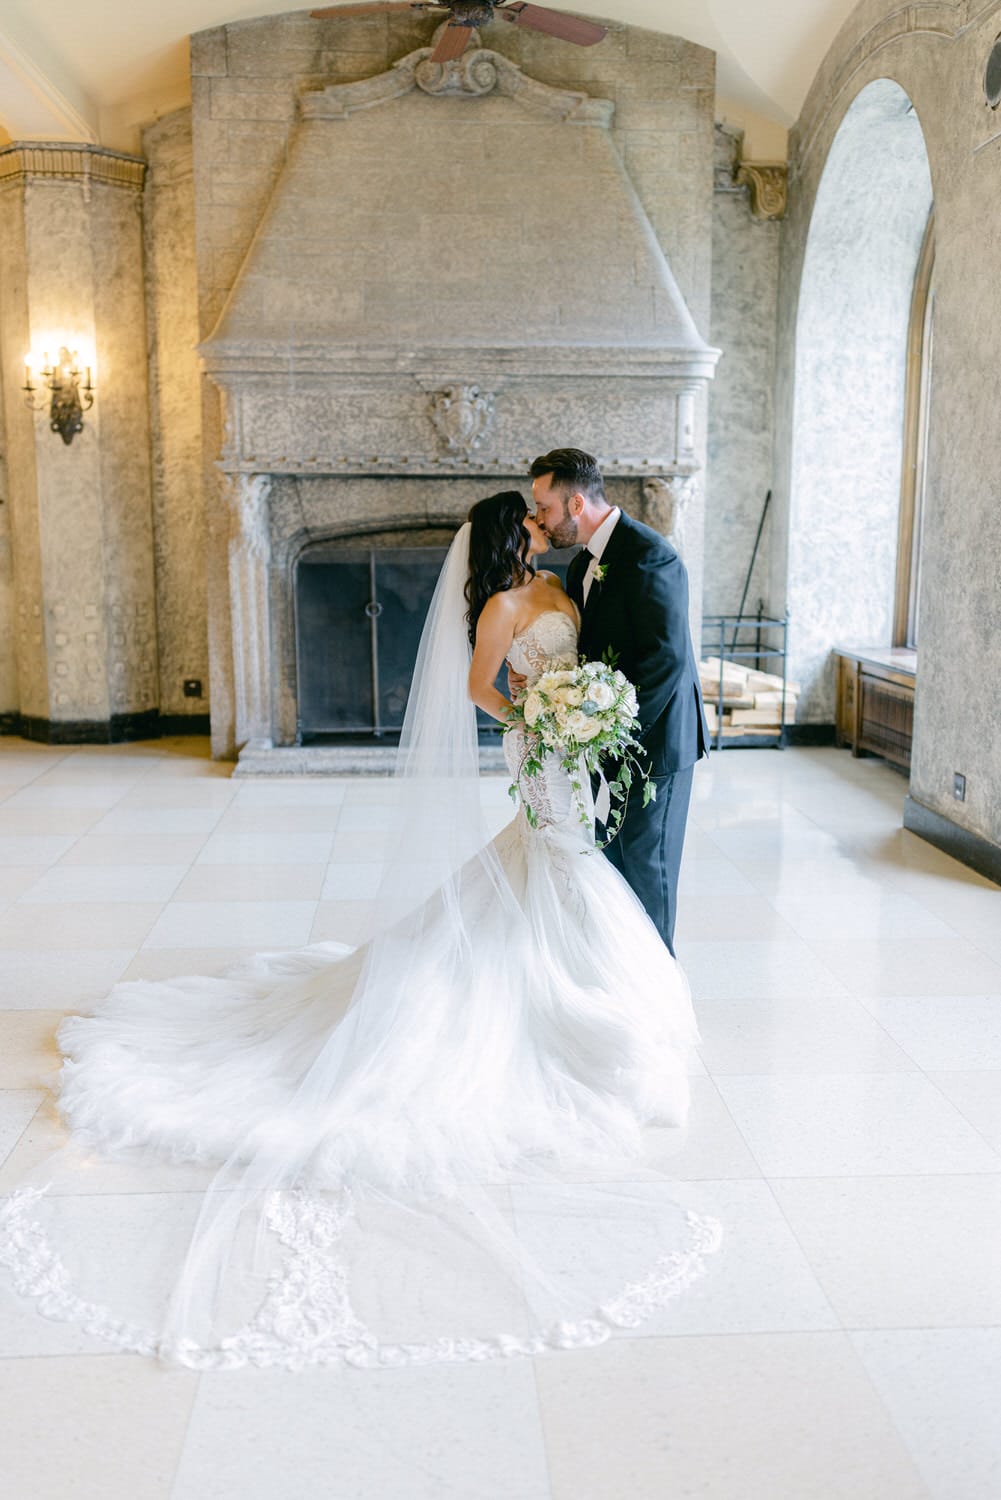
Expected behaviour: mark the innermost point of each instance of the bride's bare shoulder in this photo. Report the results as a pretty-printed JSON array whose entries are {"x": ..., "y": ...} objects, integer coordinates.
[
  {"x": 504, "y": 602},
  {"x": 565, "y": 602}
]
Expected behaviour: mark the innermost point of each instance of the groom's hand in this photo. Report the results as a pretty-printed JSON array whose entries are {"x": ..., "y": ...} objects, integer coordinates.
[{"x": 515, "y": 683}]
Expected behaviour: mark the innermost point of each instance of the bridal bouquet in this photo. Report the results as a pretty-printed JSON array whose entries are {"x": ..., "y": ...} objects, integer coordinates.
[{"x": 584, "y": 715}]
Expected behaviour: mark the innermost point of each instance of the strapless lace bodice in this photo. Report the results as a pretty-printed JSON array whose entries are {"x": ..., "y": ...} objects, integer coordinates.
[{"x": 549, "y": 643}]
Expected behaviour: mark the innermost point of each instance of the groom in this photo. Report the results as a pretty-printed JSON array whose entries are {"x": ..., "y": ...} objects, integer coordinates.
[{"x": 632, "y": 590}]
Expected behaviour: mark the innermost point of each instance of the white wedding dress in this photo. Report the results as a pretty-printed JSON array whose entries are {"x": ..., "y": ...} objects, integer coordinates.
[{"x": 452, "y": 1084}]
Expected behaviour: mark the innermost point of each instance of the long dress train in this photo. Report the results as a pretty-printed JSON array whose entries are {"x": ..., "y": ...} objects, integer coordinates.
[{"x": 461, "y": 1079}]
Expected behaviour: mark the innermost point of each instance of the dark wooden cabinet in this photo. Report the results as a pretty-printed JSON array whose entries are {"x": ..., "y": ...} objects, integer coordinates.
[{"x": 875, "y": 700}]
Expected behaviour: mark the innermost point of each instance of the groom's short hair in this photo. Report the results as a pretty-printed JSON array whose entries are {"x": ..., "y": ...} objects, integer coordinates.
[{"x": 571, "y": 470}]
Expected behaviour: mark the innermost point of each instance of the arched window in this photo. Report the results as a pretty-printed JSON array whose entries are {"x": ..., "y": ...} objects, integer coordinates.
[
  {"x": 856, "y": 292},
  {"x": 914, "y": 467}
]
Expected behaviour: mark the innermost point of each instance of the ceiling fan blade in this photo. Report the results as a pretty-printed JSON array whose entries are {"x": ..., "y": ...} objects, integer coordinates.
[
  {"x": 452, "y": 43},
  {"x": 372, "y": 8},
  {"x": 554, "y": 23}
]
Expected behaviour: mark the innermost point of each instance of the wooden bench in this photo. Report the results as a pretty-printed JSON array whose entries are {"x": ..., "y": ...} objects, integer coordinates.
[{"x": 875, "y": 700}]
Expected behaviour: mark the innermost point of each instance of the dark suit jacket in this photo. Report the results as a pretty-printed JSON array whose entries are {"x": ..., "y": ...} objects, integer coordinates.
[{"x": 640, "y": 610}]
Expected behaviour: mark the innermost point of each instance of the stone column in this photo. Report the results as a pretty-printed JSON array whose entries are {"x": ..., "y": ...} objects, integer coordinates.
[{"x": 80, "y": 521}]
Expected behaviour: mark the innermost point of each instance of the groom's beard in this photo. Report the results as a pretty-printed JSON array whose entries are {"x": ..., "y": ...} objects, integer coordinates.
[{"x": 564, "y": 533}]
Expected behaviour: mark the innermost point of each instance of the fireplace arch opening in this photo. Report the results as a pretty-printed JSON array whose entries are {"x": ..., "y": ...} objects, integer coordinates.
[{"x": 360, "y": 606}]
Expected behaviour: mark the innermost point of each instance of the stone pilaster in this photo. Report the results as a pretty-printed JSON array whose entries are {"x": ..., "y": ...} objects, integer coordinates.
[
  {"x": 246, "y": 498},
  {"x": 667, "y": 502},
  {"x": 80, "y": 522},
  {"x": 175, "y": 414},
  {"x": 8, "y": 602}
]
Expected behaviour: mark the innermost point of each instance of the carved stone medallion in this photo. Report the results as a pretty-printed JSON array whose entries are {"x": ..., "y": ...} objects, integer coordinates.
[{"x": 462, "y": 415}]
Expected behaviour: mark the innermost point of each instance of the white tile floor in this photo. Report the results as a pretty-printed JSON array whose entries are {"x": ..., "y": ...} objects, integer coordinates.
[{"x": 846, "y": 1126}]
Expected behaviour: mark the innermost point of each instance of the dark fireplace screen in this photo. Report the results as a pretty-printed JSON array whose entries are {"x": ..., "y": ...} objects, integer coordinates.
[{"x": 359, "y": 614}]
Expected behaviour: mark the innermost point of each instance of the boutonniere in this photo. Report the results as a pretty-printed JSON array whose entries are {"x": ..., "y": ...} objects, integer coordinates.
[{"x": 599, "y": 572}]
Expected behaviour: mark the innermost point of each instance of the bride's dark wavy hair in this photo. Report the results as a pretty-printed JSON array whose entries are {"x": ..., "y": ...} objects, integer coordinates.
[{"x": 498, "y": 551}]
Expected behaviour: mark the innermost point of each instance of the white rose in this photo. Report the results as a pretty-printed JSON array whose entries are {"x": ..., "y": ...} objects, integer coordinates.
[
  {"x": 533, "y": 708},
  {"x": 602, "y": 695},
  {"x": 582, "y": 727}
]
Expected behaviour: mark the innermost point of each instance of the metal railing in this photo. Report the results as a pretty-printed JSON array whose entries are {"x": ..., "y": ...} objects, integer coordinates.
[{"x": 715, "y": 630}]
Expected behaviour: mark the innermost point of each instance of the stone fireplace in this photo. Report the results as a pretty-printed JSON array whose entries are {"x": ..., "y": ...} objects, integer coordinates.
[{"x": 454, "y": 272}]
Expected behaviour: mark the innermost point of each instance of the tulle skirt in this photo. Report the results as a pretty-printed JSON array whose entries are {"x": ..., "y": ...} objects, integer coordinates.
[
  {"x": 563, "y": 1032},
  {"x": 412, "y": 1142}
]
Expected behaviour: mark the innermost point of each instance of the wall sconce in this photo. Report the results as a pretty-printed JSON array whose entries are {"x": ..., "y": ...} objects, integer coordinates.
[{"x": 69, "y": 400}]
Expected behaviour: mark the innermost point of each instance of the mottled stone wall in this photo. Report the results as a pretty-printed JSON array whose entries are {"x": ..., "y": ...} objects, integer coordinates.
[
  {"x": 940, "y": 67},
  {"x": 958, "y": 723},
  {"x": 175, "y": 413},
  {"x": 741, "y": 416},
  {"x": 246, "y": 78},
  {"x": 81, "y": 526}
]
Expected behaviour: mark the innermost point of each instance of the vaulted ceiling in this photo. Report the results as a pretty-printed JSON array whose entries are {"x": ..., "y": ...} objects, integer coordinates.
[{"x": 94, "y": 70}]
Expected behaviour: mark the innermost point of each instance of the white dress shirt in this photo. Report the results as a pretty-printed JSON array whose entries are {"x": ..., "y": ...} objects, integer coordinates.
[{"x": 597, "y": 545}]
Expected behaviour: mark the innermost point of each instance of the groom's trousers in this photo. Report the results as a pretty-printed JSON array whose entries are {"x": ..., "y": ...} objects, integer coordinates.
[{"x": 647, "y": 849}]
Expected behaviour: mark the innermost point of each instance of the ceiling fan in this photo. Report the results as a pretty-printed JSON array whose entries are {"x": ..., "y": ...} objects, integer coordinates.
[{"x": 465, "y": 16}]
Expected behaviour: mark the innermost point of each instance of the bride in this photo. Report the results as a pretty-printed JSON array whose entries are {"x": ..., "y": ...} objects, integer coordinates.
[{"x": 452, "y": 1101}]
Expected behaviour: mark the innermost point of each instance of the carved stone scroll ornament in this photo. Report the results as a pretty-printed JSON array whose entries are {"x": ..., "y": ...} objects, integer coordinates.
[
  {"x": 462, "y": 416},
  {"x": 478, "y": 72},
  {"x": 473, "y": 73},
  {"x": 767, "y": 185},
  {"x": 667, "y": 499}
]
